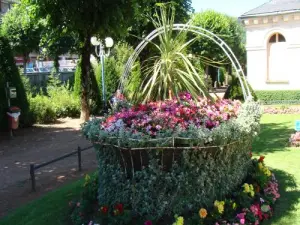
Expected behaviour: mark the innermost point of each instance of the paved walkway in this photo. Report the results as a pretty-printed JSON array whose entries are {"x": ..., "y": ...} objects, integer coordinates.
[{"x": 37, "y": 145}]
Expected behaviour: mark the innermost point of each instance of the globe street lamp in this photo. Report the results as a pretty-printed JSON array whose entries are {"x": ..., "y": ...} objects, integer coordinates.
[{"x": 101, "y": 53}]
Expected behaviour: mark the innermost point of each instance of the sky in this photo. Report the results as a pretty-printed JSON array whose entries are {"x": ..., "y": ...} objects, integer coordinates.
[{"x": 231, "y": 7}]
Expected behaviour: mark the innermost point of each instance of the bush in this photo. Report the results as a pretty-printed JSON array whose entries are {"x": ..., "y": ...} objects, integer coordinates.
[
  {"x": 279, "y": 97},
  {"x": 234, "y": 91},
  {"x": 59, "y": 101},
  {"x": 41, "y": 109},
  {"x": 9, "y": 73},
  {"x": 94, "y": 93}
]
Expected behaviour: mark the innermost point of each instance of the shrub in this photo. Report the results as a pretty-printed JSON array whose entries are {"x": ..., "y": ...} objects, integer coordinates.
[
  {"x": 9, "y": 73},
  {"x": 58, "y": 101},
  {"x": 234, "y": 91},
  {"x": 64, "y": 103},
  {"x": 279, "y": 97},
  {"x": 93, "y": 90},
  {"x": 41, "y": 109}
]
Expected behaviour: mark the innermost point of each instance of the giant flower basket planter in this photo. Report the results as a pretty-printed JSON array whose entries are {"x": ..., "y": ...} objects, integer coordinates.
[
  {"x": 172, "y": 156},
  {"x": 178, "y": 154}
]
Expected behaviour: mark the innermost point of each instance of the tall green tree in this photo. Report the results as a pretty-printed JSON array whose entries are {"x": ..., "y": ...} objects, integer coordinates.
[
  {"x": 227, "y": 28},
  {"x": 22, "y": 28},
  {"x": 10, "y": 73},
  {"x": 57, "y": 41},
  {"x": 85, "y": 19},
  {"x": 142, "y": 25}
]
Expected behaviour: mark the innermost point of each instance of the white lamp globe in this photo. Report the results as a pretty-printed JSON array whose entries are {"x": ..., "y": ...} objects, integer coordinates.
[
  {"x": 109, "y": 42},
  {"x": 95, "y": 41}
]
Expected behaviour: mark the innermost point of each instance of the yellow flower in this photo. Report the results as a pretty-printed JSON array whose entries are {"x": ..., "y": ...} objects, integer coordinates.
[
  {"x": 202, "y": 213},
  {"x": 221, "y": 209},
  {"x": 252, "y": 193},
  {"x": 217, "y": 203},
  {"x": 251, "y": 187},
  {"x": 219, "y": 206},
  {"x": 180, "y": 221},
  {"x": 260, "y": 166},
  {"x": 267, "y": 172},
  {"x": 234, "y": 205},
  {"x": 246, "y": 188}
]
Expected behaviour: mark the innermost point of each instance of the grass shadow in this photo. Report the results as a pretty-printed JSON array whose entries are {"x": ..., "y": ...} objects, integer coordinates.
[
  {"x": 273, "y": 137},
  {"x": 289, "y": 200}
]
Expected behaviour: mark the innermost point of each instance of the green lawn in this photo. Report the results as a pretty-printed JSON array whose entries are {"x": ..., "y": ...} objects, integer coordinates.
[
  {"x": 285, "y": 161},
  {"x": 276, "y": 129},
  {"x": 52, "y": 209}
]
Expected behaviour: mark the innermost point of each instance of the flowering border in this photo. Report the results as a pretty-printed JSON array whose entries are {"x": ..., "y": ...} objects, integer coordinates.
[{"x": 251, "y": 204}]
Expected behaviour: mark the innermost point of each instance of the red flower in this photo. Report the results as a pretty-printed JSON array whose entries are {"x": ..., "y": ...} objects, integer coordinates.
[
  {"x": 111, "y": 119},
  {"x": 250, "y": 154},
  {"x": 148, "y": 222},
  {"x": 261, "y": 159},
  {"x": 104, "y": 209},
  {"x": 119, "y": 209}
]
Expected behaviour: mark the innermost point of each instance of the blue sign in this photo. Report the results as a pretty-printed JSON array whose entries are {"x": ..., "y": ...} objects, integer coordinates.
[{"x": 298, "y": 125}]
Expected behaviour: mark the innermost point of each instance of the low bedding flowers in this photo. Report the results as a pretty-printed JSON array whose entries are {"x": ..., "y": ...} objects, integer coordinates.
[
  {"x": 155, "y": 117},
  {"x": 247, "y": 205}
]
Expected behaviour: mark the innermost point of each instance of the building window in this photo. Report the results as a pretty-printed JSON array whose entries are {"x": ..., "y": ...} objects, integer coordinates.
[
  {"x": 277, "y": 58},
  {"x": 277, "y": 38}
]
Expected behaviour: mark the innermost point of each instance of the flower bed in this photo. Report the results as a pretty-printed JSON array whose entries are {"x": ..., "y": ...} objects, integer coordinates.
[
  {"x": 281, "y": 109},
  {"x": 170, "y": 157},
  {"x": 252, "y": 202},
  {"x": 295, "y": 140}
]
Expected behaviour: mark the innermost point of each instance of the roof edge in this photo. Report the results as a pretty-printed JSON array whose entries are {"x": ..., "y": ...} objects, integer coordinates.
[{"x": 269, "y": 14}]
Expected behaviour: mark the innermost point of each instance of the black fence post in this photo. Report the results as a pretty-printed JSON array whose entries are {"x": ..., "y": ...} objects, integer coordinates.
[
  {"x": 32, "y": 175},
  {"x": 79, "y": 158}
]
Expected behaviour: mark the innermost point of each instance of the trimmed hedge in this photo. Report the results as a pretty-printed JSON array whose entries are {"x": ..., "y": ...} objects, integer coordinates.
[
  {"x": 10, "y": 73},
  {"x": 279, "y": 97}
]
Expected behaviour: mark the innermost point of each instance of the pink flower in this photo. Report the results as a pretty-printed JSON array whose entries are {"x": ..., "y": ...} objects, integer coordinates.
[
  {"x": 255, "y": 209},
  {"x": 169, "y": 114},
  {"x": 148, "y": 222},
  {"x": 241, "y": 216},
  {"x": 242, "y": 221}
]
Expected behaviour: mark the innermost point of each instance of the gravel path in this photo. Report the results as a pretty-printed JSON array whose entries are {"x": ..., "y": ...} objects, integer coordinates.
[{"x": 37, "y": 145}]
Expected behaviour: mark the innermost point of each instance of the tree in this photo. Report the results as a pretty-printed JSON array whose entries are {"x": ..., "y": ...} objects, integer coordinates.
[
  {"x": 85, "y": 19},
  {"x": 143, "y": 25},
  {"x": 10, "y": 73},
  {"x": 22, "y": 28},
  {"x": 227, "y": 28},
  {"x": 57, "y": 41}
]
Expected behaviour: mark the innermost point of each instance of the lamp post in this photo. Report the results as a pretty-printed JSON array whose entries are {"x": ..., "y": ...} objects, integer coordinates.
[{"x": 101, "y": 53}]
